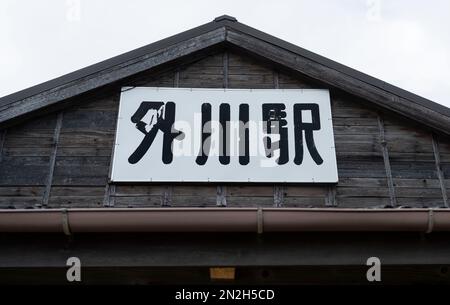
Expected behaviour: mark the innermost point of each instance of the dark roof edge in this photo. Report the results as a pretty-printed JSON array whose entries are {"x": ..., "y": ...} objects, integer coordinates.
[
  {"x": 228, "y": 22},
  {"x": 341, "y": 68},
  {"x": 108, "y": 63}
]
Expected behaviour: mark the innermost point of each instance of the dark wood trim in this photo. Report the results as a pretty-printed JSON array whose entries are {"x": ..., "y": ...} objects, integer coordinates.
[
  {"x": 437, "y": 159},
  {"x": 225, "y": 59},
  {"x": 110, "y": 188},
  {"x": 278, "y": 189},
  {"x": 221, "y": 193},
  {"x": 48, "y": 184},
  {"x": 387, "y": 164},
  {"x": 109, "y": 198},
  {"x": 223, "y": 249}
]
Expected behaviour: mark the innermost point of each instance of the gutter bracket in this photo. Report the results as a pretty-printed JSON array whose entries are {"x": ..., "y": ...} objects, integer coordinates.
[
  {"x": 260, "y": 220},
  {"x": 430, "y": 221},
  {"x": 65, "y": 222}
]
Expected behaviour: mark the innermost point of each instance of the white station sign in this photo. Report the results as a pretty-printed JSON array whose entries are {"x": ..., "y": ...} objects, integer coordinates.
[{"x": 224, "y": 135}]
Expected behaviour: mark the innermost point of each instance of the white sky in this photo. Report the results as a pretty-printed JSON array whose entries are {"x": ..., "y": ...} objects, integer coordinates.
[{"x": 406, "y": 43}]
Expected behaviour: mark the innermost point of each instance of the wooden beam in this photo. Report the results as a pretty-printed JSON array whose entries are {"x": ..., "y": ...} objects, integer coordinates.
[
  {"x": 278, "y": 189},
  {"x": 437, "y": 159},
  {"x": 387, "y": 164},
  {"x": 225, "y": 62},
  {"x": 48, "y": 184},
  {"x": 343, "y": 81},
  {"x": 221, "y": 193},
  {"x": 104, "y": 77},
  {"x": 176, "y": 79},
  {"x": 168, "y": 189}
]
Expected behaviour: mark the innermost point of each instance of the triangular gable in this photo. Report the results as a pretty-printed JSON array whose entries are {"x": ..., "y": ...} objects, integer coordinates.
[{"x": 224, "y": 30}]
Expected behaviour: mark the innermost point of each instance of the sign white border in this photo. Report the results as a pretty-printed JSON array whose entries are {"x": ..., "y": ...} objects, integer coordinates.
[{"x": 184, "y": 169}]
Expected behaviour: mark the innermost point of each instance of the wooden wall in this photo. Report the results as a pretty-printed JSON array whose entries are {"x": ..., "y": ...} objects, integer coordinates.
[{"x": 63, "y": 159}]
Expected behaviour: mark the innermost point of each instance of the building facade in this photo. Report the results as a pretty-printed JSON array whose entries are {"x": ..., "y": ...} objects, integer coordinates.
[{"x": 57, "y": 199}]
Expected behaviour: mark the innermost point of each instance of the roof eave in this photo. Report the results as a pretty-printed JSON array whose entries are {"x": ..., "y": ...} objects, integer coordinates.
[{"x": 225, "y": 29}]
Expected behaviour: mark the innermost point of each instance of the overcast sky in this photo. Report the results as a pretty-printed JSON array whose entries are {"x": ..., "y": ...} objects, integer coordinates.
[{"x": 406, "y": 43}]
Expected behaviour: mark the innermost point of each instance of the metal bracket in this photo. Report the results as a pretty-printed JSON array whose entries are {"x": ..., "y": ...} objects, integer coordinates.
[
  {"x": 260, "y": 221},
  {"x": 65, "y": 222},
  {"x": 430, "y": 221}
]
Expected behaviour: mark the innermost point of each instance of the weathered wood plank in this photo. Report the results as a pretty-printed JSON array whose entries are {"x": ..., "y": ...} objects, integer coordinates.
[
  {"x": 81, "y": 171},
  {"x": 246, "y": 72},
  {"x": 361, "y": 169},
  {"x": 305, "y": 191},
  {"x": 204, "y": 73},
  {"x": 243, "y": 190},
  {"x": 287, "y": 80},
  {"x": 365, "y": 202},
  {"x": 93, "y": 138},
  {"x": 75, "y": 201},
  {"x": 420, "y": 202},
  {"x": 108, "y": 196},
  {"x": 23, "y": 170},
  {"x": 164, "y": 79},
  {"x": 439, "y": 169},
  {"x": 139, "y": 190},
  {"x": 387, "y": 164},
  {"x": 21, "y": 191},
  {"x": 246, "y": 201},
  {"x": 221, "y": 198},
  {"x": 51, "y": 169},
  {"x": 194, "y": 201},
  {"x": 77, "y": 119},
  {"x": 12, "y": 202},
  {"x": 278, "y": 195},
  {"x": 305, "y": 202},
  {"x": 413, "y": 170},
  {"x": 84, "y": 151},
  {"x": 168, "y": 190}
]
